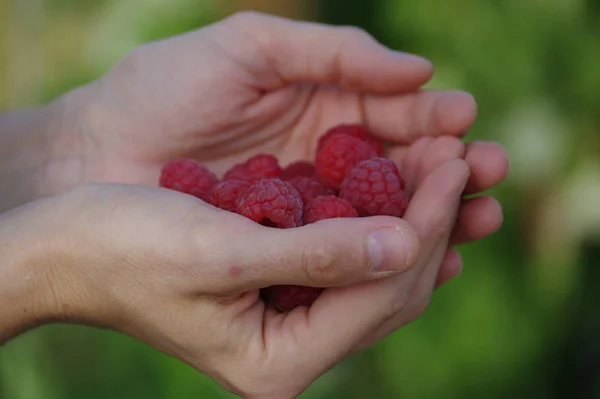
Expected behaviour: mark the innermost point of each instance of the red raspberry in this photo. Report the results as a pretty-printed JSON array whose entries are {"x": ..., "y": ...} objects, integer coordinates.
[
  {"x": 310, "y": 188},
  {"x": 353, "y": 130},
  {"x": 226, "y": 194},
  {"x": 261, "y": 166},
  {"x": 375, "y": 187},
  {"x": 273, "y": 203},
  {"x": 328, "y": 207},
  {"x": 189, "y": 177},
  {"x": 339, "y": 155},
  {"x": 286, "y": 297},
  {"x": 299, "y": 168}
]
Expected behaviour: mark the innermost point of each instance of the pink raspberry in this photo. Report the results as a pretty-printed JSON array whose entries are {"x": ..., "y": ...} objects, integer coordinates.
[
  {"x": 287, "y": 297},
  {"x": 189, "y": 177},
  {"x": 352, "y": 130},
  {"x": 339, "y": 155},
  {"x": 261, "y": 166},
  {"x": 328, "y": 207},
  {"x": 375, "y": 187},
  {"x": 310, "y": 188},
  {"x": 297, "y": 169},
  {"x": 226, "y": 194},
  {"x": 273, "y": 203}
]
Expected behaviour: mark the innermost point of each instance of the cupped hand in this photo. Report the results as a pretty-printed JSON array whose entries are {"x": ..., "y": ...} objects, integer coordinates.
[
  {"x": 184, "y": 277},
  {"x": 256, "y": 83}
]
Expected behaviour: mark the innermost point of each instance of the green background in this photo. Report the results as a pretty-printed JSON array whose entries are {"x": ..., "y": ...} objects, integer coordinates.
[{"x": 521, "y": 321}]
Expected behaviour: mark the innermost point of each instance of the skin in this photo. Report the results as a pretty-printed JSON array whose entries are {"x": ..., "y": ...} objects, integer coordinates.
[{"x": 104, "y": 248}]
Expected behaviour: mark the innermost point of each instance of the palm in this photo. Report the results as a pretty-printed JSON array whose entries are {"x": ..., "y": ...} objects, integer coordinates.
[
  {"x": 295, "y": 126},
  {"x": 286, "y": 123}
]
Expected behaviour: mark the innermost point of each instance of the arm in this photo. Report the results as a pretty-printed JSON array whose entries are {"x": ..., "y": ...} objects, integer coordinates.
[
  {"x": 25, "y": 297},
  {"x": 38, "y": 150}
]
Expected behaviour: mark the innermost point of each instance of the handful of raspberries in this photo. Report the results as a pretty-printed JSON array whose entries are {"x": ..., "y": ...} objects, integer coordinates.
[{"x": 348, "y": 179}]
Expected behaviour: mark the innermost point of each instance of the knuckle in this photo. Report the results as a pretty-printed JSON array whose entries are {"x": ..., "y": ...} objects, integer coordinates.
[
  {"x": 390, "y": 312},
  {"x": 137, "y": 55},
  {"x": 412, "y": 243},
  {"x": 352, "y": 33},
  {"x": 396, "y": 305},
  {"x": 245, "y": 17},
  {"x": 418, "y": 308},
  {"x": 320, "y": 261},
  {"x": 135, "y": 61},
  {"x": 252, "y": 26},
  {"x": 446, "y": 148},
  {"x": 435, "y": 226},
  {"x": 256, "y": 381},
  {"x": 438, "y": 227}
]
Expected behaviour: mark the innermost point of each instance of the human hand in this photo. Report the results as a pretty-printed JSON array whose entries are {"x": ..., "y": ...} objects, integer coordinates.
[
  {"x": 255, "y": 83},
  {"x": 184, "y": 276}
]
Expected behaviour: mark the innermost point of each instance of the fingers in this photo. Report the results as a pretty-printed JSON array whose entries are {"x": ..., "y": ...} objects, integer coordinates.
[
  {"x": 424, "y": 156},
  {"x": 441, "y": 150},
  {"x": 404, "y": 118},
  {"x": 451, "y": 267},
  {"x": 478, "y": 218},
  {"x": 423, "y": 277},
  {"x": 409, "y": 160},
  {"x": 488, "y": 162},
  {"x": 329, "y": 253},
  {"x": 317, "y": 53},
  {"x": 489, "y": 165},
  {"x": 434, "y": 236},
  {"x": 342, "y": 317}
]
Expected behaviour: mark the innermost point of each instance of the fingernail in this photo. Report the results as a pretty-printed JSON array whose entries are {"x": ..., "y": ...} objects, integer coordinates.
[{"x": 392, "y": 250}]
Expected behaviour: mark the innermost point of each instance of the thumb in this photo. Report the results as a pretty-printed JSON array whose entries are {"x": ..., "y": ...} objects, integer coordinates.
[
  {"x": 342, "y": 318},
  {"x": 329, "y": 253}
]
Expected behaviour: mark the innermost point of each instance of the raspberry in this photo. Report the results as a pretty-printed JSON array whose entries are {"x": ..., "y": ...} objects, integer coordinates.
[
  {"x": 226, "y": 194},
  {"x": 297, "y": 169},
  {"x": 328, "y": 207},
  {"x": 375, "y": 187},
  {"x": 273, "y": 203},
  {"x": 261, "y": 166},
  {"x": 286, "y": 297},
  {"x": 353, "y": 130},
  {"x": 339, "y": 155},
  {"x": 310, "y": 188},
  {"x": 189, "y": 177}
]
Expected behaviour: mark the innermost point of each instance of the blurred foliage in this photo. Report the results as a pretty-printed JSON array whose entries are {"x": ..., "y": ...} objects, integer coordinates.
[{"x": 520, "y": 321}]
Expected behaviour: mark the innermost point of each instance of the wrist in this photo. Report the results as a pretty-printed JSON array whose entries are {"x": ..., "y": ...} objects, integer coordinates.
[
  {"x": 42, "y": 150},
  {"x": 66, "y": 135},
  {"x": 46, "y": 274},
  {"x": 27, "y": 265}
]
